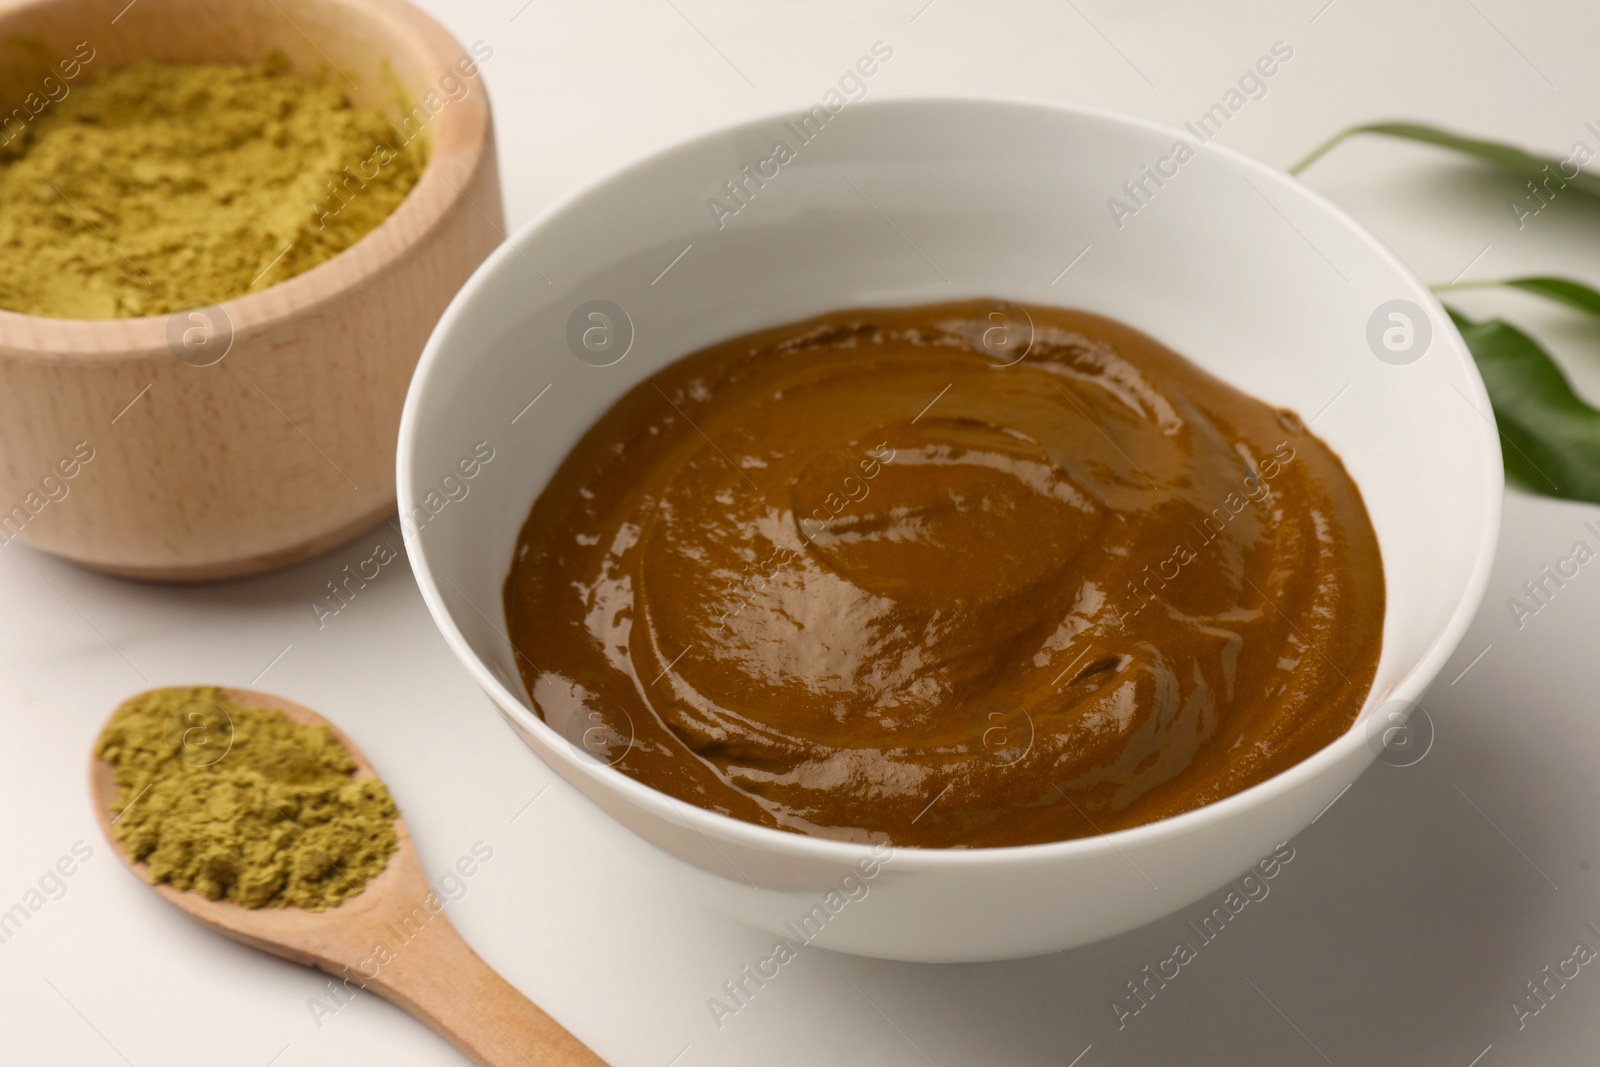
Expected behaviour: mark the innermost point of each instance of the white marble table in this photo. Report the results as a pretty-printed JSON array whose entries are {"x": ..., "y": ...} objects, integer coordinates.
[{"x": 1414, "y": 910}]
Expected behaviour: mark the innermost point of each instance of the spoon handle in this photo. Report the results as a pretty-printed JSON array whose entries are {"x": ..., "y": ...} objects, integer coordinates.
[{"x": 436, "y": 976}]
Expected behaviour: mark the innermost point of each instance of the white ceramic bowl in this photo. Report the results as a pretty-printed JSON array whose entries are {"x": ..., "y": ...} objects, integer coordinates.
[{"x": 1229, "y": 262}]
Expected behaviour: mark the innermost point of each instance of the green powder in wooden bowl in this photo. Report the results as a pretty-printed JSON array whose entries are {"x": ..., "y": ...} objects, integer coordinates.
[{"x": 159, "y": 187}]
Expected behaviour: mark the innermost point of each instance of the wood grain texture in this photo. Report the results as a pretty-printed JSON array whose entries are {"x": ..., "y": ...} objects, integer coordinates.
[
  {"x": 425, "y": 968},
  {"x": 284, "y": 448}
]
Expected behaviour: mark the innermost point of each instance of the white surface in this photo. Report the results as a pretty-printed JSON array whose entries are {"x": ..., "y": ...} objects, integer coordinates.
[
  {"x": 975, "y": 180},
  {"x": 1397, "y": 934}
]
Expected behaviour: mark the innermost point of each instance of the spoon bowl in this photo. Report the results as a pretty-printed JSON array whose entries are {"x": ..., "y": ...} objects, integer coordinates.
[{"x": 433, "y": 973}]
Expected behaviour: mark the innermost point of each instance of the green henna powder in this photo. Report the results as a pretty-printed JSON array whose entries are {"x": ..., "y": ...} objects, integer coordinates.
[
  {"x": 243, "y": 804},
  {"x": 159, "y": 187}
]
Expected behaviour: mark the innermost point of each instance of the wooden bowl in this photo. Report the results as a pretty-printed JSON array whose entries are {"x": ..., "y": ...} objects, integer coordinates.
[{"x": 127, "y": 445}]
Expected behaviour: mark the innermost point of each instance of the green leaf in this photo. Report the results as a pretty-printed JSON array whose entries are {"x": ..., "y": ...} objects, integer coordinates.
[
  {"x": 1552, "y": 436},
  {"x": 1506, "y": 157},
  {"x": 1561, "y": 290}
]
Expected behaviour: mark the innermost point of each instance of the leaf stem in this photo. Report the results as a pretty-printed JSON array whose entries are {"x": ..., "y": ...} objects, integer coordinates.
[{"x": 1324, "y": 148}]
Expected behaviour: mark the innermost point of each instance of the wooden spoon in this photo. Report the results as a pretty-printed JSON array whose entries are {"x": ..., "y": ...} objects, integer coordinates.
[{"x": 434, "y": 975}]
